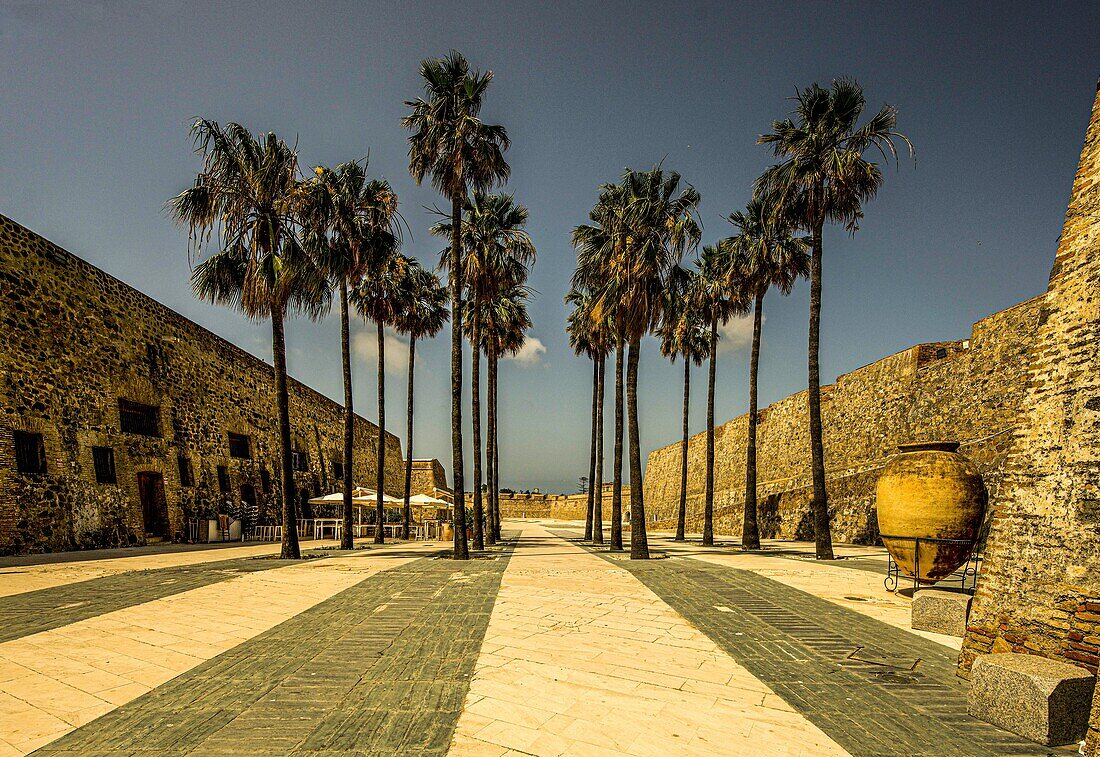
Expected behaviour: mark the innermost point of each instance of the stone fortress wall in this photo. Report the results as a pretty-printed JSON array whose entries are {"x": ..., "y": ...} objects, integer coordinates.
[
  {"x": 428, "y": 477},
  {"x": 966, "y": 390},
  {"x": 1039, "y": 589},
  {"x": 76, "y": 341},
  {"x": 556, "y": 506}
]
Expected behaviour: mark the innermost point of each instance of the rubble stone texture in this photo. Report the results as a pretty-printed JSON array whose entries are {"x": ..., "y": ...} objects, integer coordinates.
[
  {"x": 1039, "y": 591},
  {"x": 76, "y": 340},
  {"x": 966, "y": 390}
]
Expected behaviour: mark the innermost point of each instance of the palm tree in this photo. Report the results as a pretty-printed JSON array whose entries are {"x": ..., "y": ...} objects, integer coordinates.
[
  {"x": 496, "y": 247},
  {"x": 349, "y": 224},
  {"x": 720, "y": 294},
  {"x": 422, "y": 315},
  {"x": 823, "y": 176},
  {"x": 683, "y": 332},
  {"x": 506, "y": 320},
  {"x": 460, "y": 152},
  {"x": 596, "y": 244},
  {"x": 584, "y": 339},
  {"x": 769, "y": 256},
  {"x": 378, "y": 298},
  {"x": 642, "y": 227},
  {"x": 247, "y": 191},
  {"x": 663, "y": 225}
]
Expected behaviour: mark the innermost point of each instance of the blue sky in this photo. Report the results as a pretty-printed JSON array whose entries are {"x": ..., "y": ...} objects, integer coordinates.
[{"x": 97, "y": 98}]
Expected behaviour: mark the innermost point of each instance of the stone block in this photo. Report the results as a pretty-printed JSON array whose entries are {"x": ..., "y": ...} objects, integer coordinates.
[
  {"x": 1038, "y": 698},
  {"x": 941, "y": 611}
]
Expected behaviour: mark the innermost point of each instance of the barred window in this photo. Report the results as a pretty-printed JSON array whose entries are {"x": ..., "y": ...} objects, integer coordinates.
[
  {"x": 103, "y": 458},
  {"x": 299, "y": 460},
  {"x": 136, "y": 418},
  {"x": 30, "y": 452},
  {"x": 239, "y": 446},
  {"x": 223, "y": 479},
  {"x": 187, "y": 475}
]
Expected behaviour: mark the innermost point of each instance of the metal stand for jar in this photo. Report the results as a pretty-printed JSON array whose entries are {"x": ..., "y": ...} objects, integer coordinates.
[{"x": 967, "y": 579}]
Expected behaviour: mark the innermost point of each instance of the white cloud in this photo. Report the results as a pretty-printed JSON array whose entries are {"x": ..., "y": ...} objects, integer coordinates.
[
  {"x": 530, "y": 354},
  {"x": 735, "y": 335},
  {"x": 364, "y": 347}
]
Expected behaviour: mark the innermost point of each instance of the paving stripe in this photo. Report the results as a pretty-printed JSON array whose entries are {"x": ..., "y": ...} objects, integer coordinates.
[
  {"x": 380, "y": 668},
  {"x": 802, "y": 646},
  {"x": 581, "y": 658},
  {"x": 36, "y": 611},
  {"x": 36, "y": 572},
  {"x": 54, "y": 681}
]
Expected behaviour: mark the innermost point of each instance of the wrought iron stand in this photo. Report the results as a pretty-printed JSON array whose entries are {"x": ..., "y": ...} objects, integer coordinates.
[{"x": 967, "y": 578}]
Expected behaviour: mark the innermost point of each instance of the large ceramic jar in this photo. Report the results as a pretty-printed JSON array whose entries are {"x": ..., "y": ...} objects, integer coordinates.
[{"x": 932, "y": 493}]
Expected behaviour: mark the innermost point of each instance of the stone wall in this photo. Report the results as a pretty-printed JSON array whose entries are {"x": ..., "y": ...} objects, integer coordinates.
[
  {"x": 76, "y": 341},
  {"x": 428, "y": 477},
  {"x": 1039, "y": 590},
  {"x": 556, "y": 506},
  {"x": 965, "y": 390}
]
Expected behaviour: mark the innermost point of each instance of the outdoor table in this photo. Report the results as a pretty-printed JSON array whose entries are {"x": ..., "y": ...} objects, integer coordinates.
[{"x": 320, "y": 524}]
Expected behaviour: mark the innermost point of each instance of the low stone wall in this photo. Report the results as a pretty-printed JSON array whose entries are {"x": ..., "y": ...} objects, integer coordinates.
[
  {"x": 965, "y": 390},
  {"x": 555, "y": 506},
  {"x": 76, "y": 342}
]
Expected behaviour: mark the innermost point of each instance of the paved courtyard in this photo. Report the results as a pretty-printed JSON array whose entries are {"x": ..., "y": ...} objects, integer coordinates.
[{"x": 543, "y": 646}]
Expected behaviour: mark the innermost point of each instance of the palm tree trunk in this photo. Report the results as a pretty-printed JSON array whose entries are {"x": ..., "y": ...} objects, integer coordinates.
[
  {"x": 490, "y": 447},
  {"x": 681, "y": 516},
  {"x": 708, "y": 500},
  {"x": 592, "y": 456},
  {"x": 475, "y": 415},
  {"x": 750, "y": 533},
  {"x": 409, "y": 441},
  {"x": 461, "y": 552},
  {"x": 290, "y": 549},
  {"x": 639, "y": 542},
  {"x": 617, "y": 494},
  {"x": 597, "y": 480},
  {"x": 380, "y": 457},
  {"x": 496, "y": 441},
  {"x": 347, "y": 538},
  {"x": 822, "y": 535}
]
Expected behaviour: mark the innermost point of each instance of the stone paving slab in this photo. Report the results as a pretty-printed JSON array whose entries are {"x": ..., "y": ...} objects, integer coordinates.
[
  {"x": 581, "y": 658},
  {"x": 380, "y": 668},
  {"x": 54, "y": 681},
  {"x": 24, "y": 573},
  {"x": 908, "y": 701},
  {"x": 36, "y": 611}
]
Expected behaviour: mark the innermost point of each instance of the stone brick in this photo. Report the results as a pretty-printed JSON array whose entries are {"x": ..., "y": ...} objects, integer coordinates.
[{"x": 1036, "y": 697}]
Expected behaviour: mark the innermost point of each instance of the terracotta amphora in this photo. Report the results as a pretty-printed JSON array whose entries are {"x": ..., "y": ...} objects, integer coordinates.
[{"x": 932, "y": 493}]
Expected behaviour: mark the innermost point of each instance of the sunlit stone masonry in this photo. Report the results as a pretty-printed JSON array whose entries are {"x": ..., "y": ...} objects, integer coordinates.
[
  {"x": 1039, "y": 591},
  {"x": 969, "y": 390},
  {"x": 120, "y": 418},
  {"x": 1022, "y": 395}
]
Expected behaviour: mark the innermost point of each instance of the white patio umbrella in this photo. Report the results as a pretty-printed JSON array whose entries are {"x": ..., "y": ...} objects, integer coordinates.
[
  {"x": 427, "y": 499},
  {"x": 359, "y": 496}
]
